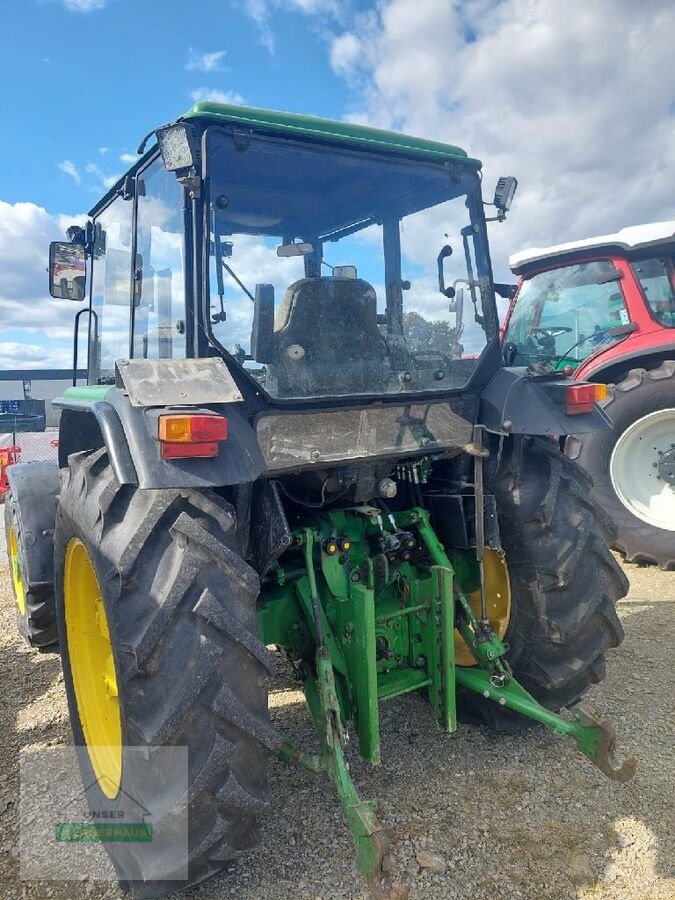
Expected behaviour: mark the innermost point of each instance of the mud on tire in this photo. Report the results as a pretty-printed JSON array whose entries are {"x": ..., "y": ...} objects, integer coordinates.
[
  {"x": 190, "y": 669},
  {"x": 564, "y": 581}
]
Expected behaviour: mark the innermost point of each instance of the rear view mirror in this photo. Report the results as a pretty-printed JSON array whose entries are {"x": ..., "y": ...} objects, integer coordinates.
[
  {"x": 67, "y": 271},
  {"x": 344, "y": 271},
  {"x": 285, "y": 250}
]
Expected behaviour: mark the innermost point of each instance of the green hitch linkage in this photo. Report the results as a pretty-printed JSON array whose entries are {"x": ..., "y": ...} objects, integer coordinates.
[
  {"x": 596, "y": 739},
  {"x": 373, "y": 852}
]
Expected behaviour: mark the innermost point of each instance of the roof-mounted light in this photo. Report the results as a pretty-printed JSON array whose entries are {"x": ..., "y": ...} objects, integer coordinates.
[{"x": 178, "y": 145}]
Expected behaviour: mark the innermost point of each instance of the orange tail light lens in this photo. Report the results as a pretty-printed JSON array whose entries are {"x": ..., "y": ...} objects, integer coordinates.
[{"x": 183, "y": 435}]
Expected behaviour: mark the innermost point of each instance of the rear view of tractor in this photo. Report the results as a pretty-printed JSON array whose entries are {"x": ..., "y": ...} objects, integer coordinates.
[
  {"x": 604, "y": 310},
  {"x": 284, "y": 443}
]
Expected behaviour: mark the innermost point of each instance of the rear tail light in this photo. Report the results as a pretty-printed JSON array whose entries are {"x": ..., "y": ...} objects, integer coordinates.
[
  {"x": 581, "y": 398},
  {"x": 183, "y": 435}
]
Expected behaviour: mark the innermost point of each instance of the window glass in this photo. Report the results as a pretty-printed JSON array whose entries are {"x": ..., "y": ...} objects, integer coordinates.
[
  {"x": 563, "y": 315},
  {"x": 349, "y": 243},
  {"x": 159, "y": 315},
  {"x": 111, "y": 290},
  {"x": 656, "y": 277}
]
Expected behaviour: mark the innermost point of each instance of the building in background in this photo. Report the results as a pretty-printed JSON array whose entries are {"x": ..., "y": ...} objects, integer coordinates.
[{"x": 26, "y": 385}]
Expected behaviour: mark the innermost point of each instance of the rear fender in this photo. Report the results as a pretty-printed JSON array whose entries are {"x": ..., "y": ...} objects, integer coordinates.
[
  {"x": 128, "y": 433},
  {"x": 516, "y": 403}
]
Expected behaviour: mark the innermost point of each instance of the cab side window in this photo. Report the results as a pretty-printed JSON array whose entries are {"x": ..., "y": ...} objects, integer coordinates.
[
  {"x": 111, "y": 290},
  {"x": 656, "y": 278},
  {"x": 159, "y": 278}
]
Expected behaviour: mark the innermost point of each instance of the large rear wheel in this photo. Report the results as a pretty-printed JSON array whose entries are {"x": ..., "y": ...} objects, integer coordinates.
[
  {"x": 564, "y": 582},
  {"x": 633, "y": 464},
  {"x": 156, "y": 616}
]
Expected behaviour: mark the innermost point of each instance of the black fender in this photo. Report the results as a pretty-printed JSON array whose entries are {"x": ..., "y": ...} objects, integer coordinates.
[
  {"x": 518, "y": 402},
  {"x": 34, "y": 489},
  {"x": 129, "y": 435}
]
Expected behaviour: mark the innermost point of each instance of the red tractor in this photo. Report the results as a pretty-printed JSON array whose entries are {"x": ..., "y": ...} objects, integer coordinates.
[{"x": 604, "y": 310}]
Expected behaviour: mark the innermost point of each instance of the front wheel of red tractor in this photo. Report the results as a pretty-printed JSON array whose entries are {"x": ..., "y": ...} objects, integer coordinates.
[{"x": 157, "y": 627}]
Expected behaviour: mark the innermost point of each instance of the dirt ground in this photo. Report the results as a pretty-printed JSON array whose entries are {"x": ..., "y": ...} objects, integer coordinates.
[{"x": 509, "y": 816}]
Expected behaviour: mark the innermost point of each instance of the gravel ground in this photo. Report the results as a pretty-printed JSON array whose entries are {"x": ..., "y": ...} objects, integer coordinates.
[{"x": 503, "y": 816}]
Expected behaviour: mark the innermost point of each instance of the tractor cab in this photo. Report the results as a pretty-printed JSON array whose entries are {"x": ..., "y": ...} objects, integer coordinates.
[
  {"x": 578, "y": 301},
  {"x": 315, "y": 264}
]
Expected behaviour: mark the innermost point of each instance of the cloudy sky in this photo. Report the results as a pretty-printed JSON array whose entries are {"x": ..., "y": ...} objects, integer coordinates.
[{"x": 577, "y": 99}]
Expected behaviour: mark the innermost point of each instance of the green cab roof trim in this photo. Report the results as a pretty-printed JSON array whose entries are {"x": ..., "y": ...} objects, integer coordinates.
[
  {"x": 88, "y": 392},
  {"x": 325, "y": 129}
]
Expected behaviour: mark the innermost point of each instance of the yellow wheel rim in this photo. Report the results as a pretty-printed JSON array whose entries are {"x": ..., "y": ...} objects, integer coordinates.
[
  {"x": 93, "y": 668},
  {"x": 19, "y": 592},
  {"x": 498, "y": 589}
]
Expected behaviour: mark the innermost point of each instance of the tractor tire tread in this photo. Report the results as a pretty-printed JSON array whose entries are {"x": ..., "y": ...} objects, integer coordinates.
[{"x": 192, "y": 672}]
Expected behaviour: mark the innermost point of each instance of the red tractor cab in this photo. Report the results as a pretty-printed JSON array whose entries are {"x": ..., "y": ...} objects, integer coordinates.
[{"x": 604, "y": 309}]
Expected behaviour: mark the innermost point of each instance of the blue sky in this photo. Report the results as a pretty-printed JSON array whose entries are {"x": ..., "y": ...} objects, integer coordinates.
[
  {"x": 576, "y": 99},
  {"x": 84, "y": 87}
]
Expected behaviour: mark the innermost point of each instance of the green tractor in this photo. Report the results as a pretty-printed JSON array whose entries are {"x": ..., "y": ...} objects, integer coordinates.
[{"x": 298, "y": 435}]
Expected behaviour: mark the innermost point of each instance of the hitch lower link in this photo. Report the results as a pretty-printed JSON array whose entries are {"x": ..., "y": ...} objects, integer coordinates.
[
  {"x": 493, "y": 679},
  {"x": 373, "y": 850}
]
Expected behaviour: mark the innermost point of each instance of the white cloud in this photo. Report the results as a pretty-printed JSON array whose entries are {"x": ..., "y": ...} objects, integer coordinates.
[
  {"x": 84, "y": 6},
  {"x": 261, "y": 11},
  {"x": 216, "y": 96},
  {"x": 103, "y": 150},
  {"x": 25, "y": 305},
  {"x": 200, "y": 61},
  {"x": 575, "y": 99},
  {"x": 69, "y": 168},
  {"x": 106, "y": 181},
  {"x": 128, "y": 158}
]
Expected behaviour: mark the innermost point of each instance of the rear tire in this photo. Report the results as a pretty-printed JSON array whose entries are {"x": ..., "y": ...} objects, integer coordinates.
[
  {"x": 639, "y": 394},
  {"x": 564, "y": 581},
  {"x": 190, "y": 670},
  {"x": 35, "y": 616}
]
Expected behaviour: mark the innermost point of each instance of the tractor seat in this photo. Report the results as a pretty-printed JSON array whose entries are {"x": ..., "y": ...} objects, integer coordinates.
[{"x": 327, "y": 339}]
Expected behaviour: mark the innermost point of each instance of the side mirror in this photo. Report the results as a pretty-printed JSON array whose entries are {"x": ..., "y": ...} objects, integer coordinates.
[
  {"x": 504, "y": 193},
  {"x": 263, "y": 348},
  {"x": 67, "y": 271},
  {"x": 448, "y": 292}
]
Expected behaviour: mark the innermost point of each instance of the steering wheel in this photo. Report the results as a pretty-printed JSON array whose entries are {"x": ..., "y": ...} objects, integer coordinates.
[{"x": 554, "y": 331}]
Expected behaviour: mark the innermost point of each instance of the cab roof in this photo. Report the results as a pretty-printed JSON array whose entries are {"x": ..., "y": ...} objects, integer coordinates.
[
  {"x": 324, "y": 130},
  {"x": 628, "y": 240}
]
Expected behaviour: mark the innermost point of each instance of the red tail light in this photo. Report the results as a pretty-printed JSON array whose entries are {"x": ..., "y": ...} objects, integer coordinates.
[
  {"x": 183, "y": 435},
  {"x": 581, "y": 398}
]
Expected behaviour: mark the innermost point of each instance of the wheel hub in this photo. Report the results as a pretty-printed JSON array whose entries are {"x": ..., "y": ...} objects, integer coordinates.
[
  {"x": 642, "y": 469},
  {"x": 666, "y": 466}
]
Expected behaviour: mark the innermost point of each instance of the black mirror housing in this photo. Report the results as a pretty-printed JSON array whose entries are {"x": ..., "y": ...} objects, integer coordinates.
[{"x": 67, "y": 271}]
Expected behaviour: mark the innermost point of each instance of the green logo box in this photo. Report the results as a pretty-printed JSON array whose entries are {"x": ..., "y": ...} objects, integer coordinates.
[{"x": 110, "y": 832}]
